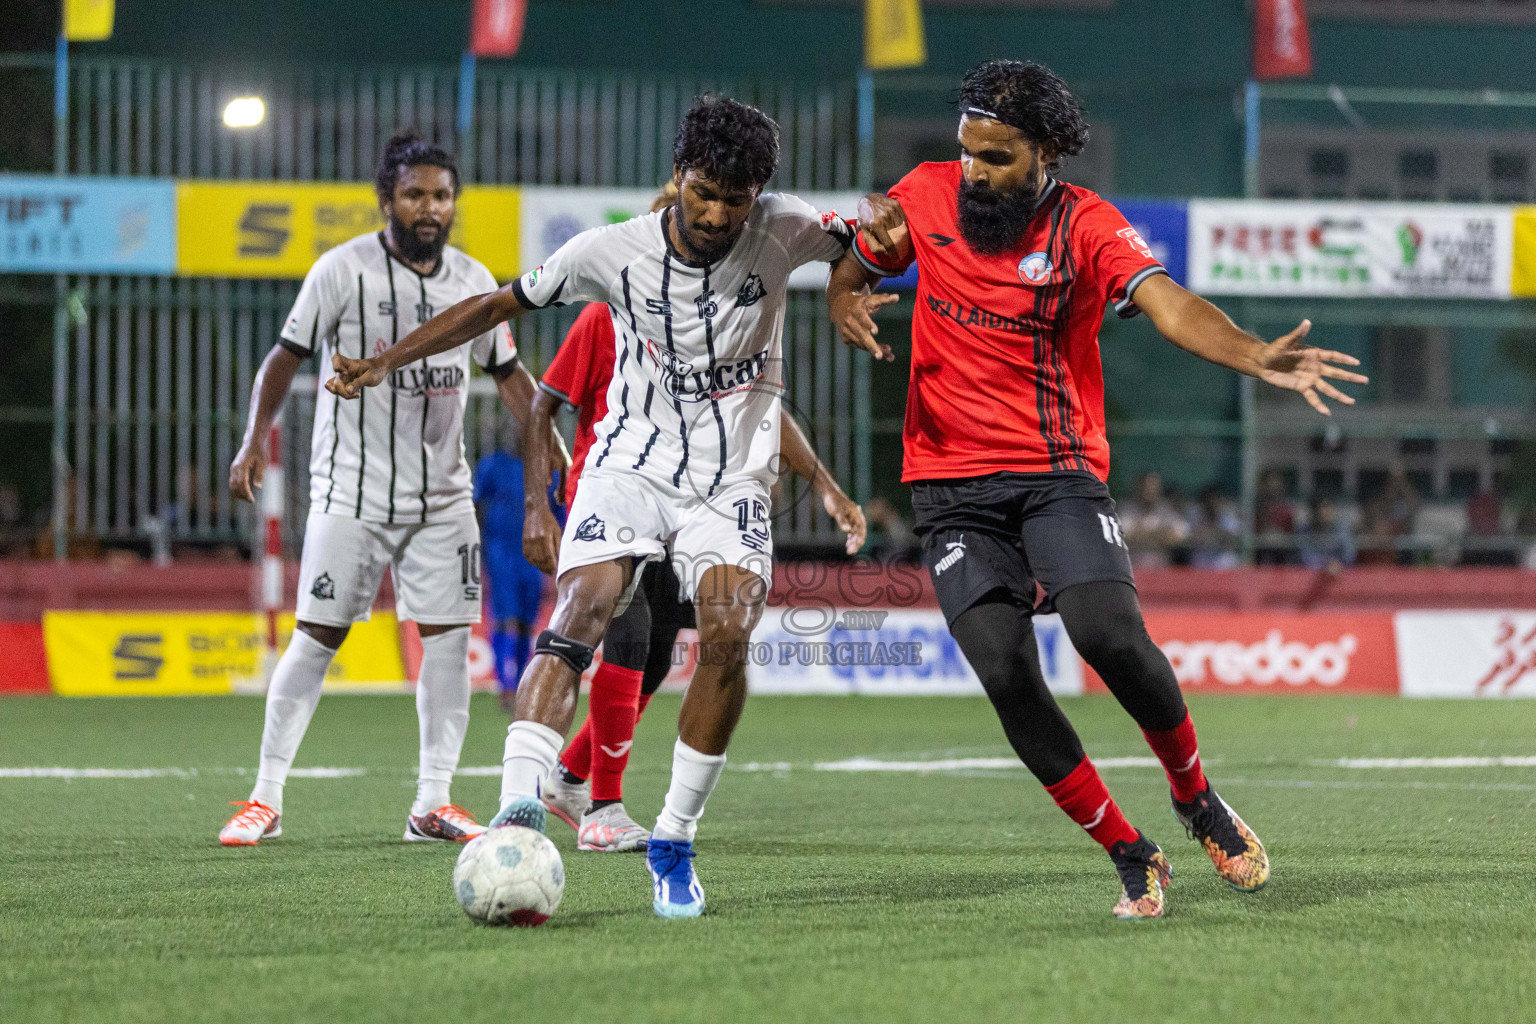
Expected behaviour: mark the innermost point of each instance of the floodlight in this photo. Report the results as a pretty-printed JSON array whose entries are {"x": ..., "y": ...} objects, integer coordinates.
[{"x": 244, "y": 112}]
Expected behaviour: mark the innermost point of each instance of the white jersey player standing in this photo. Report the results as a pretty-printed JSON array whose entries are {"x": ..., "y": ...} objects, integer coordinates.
[
  {"x": 389, "y": 484},
  {"x": 683, "y": 460}
]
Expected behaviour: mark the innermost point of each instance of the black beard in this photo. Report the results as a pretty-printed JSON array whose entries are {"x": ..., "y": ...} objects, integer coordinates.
[
  {"x": 992, "y": 222},
  {"x": 409, "y": 246},
  {"x": 696, "y": 248}
]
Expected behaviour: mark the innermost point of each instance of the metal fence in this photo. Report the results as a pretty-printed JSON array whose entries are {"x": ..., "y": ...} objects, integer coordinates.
[{"x": 154, "y": 380}]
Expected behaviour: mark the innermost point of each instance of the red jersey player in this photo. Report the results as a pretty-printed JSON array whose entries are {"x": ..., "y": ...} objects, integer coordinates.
[
  {"x": 1005, "y": 446},
  {"x": 585, "y": 789}
]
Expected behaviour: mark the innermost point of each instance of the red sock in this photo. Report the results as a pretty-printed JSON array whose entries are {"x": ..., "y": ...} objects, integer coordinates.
[
  {"x": 577, "y": 756},
  {"x": 614, "y": 705},
  {"x": 1083, "y": 796},
  {"x": 1180, "y": 753}
]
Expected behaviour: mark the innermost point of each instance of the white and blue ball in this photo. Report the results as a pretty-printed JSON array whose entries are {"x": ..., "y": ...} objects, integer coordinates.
[{"x": 509, "y": 876}]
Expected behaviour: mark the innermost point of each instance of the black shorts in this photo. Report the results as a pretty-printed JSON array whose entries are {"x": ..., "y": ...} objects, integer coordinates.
[
  {"x": 664, "y": 594},
  {"x": 1007, "y": 530}
]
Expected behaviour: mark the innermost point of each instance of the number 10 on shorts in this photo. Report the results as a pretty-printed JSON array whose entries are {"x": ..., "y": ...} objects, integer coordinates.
[{"x": 1111, "y": 527}]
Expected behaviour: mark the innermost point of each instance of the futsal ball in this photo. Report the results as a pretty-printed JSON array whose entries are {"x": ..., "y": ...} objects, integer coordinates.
[{"x": 509, "y": 875}]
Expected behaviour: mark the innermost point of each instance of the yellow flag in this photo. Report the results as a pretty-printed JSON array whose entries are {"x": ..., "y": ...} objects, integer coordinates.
[
  {"x": 87, "y": 21},
  {"x": 893, "y": 34}
]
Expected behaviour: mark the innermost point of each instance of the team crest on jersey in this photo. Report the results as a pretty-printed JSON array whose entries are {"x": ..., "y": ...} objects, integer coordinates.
[
  {"x": 324, "y": 588},
  {"x": 752, "y": 289},
  {"x": 1035, "y": 268},
  {"x": 591, "y": 528},
  {"x": 1135, "y": 241}
]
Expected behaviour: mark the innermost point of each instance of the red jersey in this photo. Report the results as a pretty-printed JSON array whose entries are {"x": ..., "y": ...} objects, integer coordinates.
[
  {"x": 579, "y": 376},
  {"x": 1005, "y": 349}
]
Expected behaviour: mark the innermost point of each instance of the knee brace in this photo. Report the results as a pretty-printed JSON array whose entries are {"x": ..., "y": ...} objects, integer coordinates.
[{"x": 574, "y": 653}]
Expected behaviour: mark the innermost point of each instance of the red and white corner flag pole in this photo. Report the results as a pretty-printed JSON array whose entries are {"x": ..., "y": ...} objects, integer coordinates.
[{"x": 273, "y": 499}]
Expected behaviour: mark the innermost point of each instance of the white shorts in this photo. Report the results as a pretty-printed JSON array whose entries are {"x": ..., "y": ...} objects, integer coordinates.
[
  {"x": 625, "y": 514},
  {"x": 436, "y": 569}
]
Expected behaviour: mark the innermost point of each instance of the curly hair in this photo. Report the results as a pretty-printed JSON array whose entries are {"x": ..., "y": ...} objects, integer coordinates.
[
  {"x": 1031, "y": 98},
  {"x": 408, "y": 149},
  {"x": 727, "y": 142}
]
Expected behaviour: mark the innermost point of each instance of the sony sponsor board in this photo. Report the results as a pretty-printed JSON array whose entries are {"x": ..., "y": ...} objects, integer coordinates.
[
  {"x": 884, "y": 651},
  {"x": 87, "y": 225},
  {"x": 552, "y": 216},
  {"x": 1467, "y": 654},
  {"x": 1343, "y": 249}
]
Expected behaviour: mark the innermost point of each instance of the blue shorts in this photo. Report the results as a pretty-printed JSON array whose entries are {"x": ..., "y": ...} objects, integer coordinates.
[{"x": 516, "y": 587}]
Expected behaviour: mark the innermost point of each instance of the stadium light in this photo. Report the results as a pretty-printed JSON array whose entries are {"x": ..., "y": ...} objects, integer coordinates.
[{"x": 244, "y": 112}]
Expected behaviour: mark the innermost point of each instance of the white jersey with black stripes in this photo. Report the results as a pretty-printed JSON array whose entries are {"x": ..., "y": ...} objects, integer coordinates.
[
  {"x": 694, "y": 400},
  {"x": 396, "y": 454}
]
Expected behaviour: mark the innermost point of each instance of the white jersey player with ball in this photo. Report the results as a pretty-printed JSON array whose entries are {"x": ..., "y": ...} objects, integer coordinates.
[
  {"x": 683, "y": 460},
  {"x": 389, "y": 484}
]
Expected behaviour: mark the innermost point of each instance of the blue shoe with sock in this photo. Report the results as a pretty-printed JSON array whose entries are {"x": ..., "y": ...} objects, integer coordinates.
[
  {"x": 527, "y": 811},
  {"x": 678, "y": 892}
]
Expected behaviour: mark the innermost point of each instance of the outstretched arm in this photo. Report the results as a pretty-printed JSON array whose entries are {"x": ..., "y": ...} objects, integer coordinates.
[
  {"x": 1200, "y": 328},
  {"x": 451, "y": 328},
  {"x": 797, "y": 451}
]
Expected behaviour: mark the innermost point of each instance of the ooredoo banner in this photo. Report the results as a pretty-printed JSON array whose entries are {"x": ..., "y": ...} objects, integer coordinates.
[{"x": 1261, "y": 653}]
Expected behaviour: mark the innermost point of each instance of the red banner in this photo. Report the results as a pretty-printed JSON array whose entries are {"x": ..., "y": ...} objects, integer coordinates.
[
  {"x": 1259, "y": 653},
  {"x": 1282, "y": 47},
  {"x": 496, "y": 27},
  {"x": 23, "y": 661}
]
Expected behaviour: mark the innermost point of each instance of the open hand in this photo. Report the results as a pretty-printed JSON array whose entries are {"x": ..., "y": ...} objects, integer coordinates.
[
  {"x": 853, "y": 315},
  {"x": 352, "y": 375},
  {"x": 1289, "y": 362}
]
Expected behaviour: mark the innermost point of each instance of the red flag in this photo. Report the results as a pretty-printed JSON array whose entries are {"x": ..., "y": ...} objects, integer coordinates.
[
  {"x": 496, "y": 27},
  {"x": 1282, "y": 47}
]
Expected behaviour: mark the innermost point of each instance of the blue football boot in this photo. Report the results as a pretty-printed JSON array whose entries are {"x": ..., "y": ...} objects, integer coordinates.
[{"x": 678, "y": 892}]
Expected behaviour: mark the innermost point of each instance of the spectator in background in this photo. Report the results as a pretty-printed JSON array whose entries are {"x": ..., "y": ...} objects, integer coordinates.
[
  {"x": 890, "y": 536},
  {"x": 1213, "y": 530},
  {"x": 1330, "y": 544},
  {"x": 1152, "y": 524},
  {"x": 1398, "y": 502},
  {"x": 1378, "y": 542},
  {"x": 1275, "y": 519},
  {"x": 1485, "y": 521},
  {"x": 10, "y": 520}
]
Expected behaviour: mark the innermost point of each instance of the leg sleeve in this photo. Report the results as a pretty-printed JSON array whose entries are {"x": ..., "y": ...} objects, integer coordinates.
[{"x": 1105, "y": 624}]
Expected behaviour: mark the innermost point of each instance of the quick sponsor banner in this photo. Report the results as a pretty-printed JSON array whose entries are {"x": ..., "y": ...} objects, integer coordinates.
[
  {"x": 87, "y": 225},
  {"x": 1523, "y": 277},
  {"x": 1410, "y": 250},
  {"x": 277, "y": 229},
  {"x": 1246, "y": 653},
  {"x": 883, "y": 651},
  {"x": 139, "y": 654},
  {"x": 552, "y": 216},
  {"x": 1467, "y": 654},
  {"x": 23, "y": 662}
]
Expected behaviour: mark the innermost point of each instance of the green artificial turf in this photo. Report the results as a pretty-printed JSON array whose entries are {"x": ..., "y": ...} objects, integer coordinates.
[{"x": 1397, "y": 895}]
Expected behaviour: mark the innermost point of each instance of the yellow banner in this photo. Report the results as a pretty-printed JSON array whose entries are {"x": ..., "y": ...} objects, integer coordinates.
[
  {"x": 87, "y": 21},
  {"x": 277, "y": 229},
  {"x": 893, "y": 34},
  {"x": 144, "y": 654},
  {"x": 1523, "y": 282}
]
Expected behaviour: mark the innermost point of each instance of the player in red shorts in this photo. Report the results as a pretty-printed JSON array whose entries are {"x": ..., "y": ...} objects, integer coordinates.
[
  {"x": 1005, "y": 446},
  {"x": 585, "y": 789}
]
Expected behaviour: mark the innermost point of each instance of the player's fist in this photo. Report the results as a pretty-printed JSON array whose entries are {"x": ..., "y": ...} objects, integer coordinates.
[
  {"x": 352, "y": 375},
  {"x": 247, "y": 471},
  {"x": 541, "y": 538},
  {"x": 883, "y": 223}
]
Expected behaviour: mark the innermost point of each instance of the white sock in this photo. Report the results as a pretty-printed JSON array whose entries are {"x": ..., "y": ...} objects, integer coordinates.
[
  {"x": 291, "y": 700},
  {"x": 442, "y": 707},
  {"x": 530, "y": 753},
  {"x": 693, "y": 778}
]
